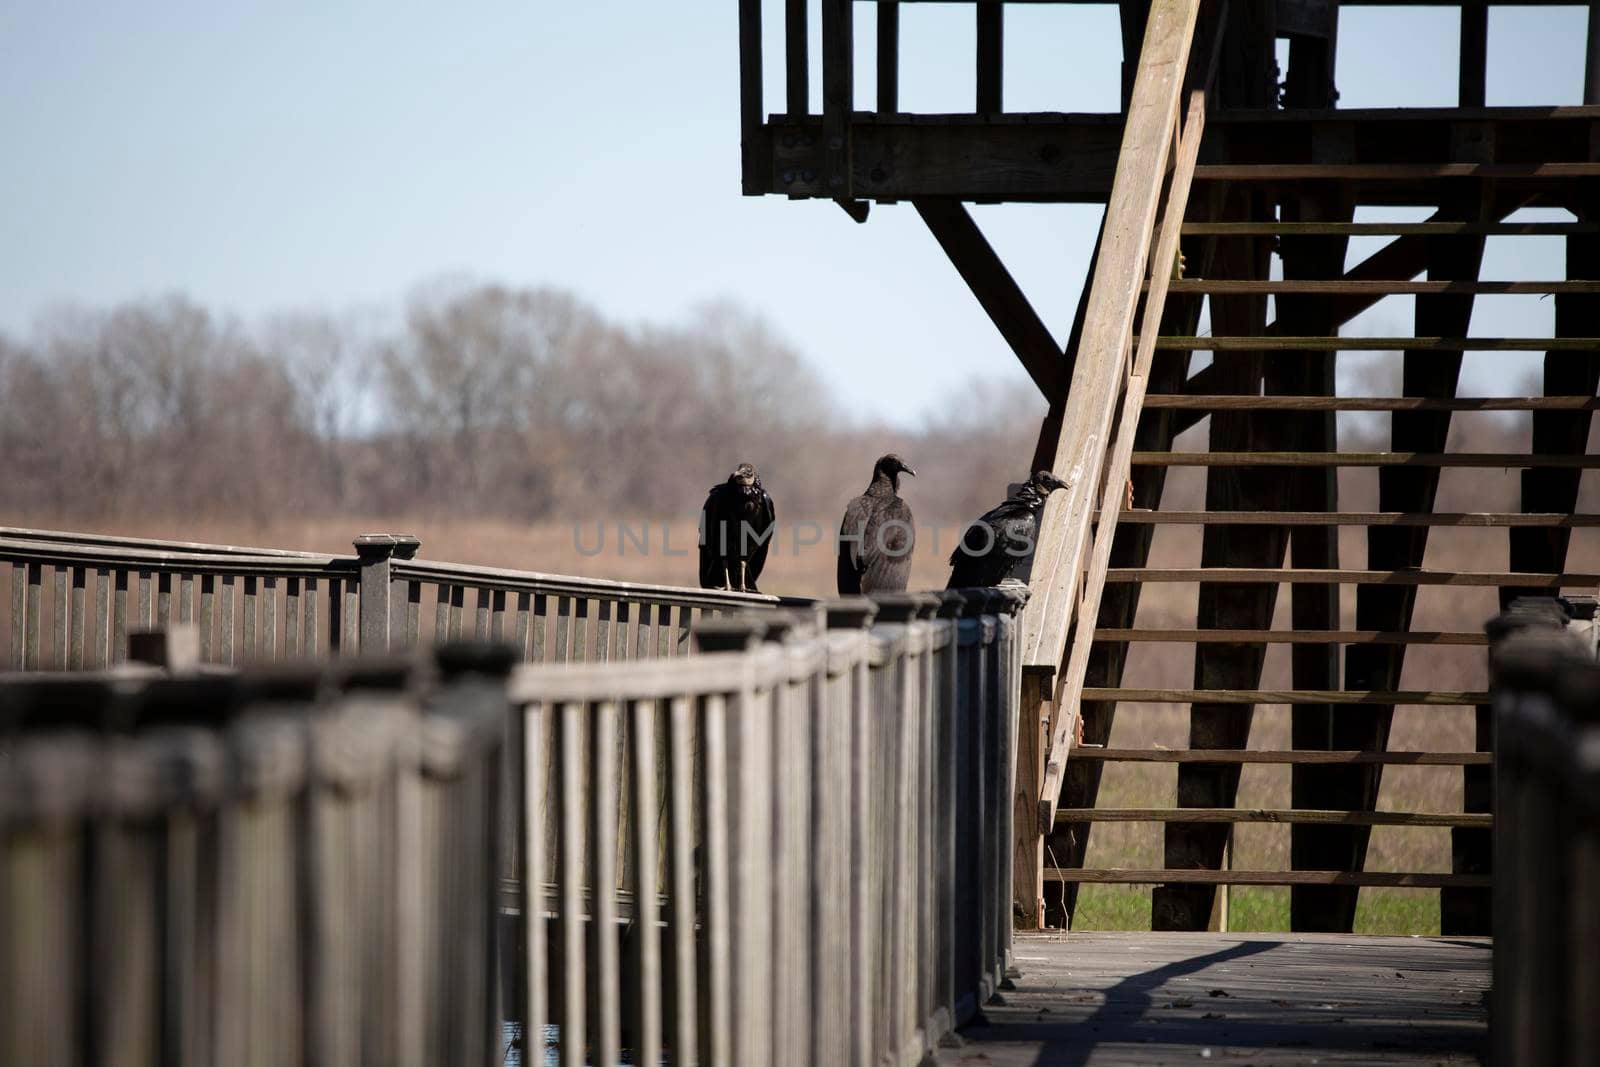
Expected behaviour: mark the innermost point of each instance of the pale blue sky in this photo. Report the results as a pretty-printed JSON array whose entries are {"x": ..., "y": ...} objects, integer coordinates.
[{"x": 276, "y": 157}]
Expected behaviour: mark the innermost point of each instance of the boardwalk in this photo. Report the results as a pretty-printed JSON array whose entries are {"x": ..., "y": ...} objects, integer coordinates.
[{"x": 1102, "y": 998}]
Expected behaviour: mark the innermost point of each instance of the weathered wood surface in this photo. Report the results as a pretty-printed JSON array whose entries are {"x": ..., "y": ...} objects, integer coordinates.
[
  {"x": 864, "y": 769},
  {"x": 307, "y": 605},
  {"x": 1102, "y": 999}
]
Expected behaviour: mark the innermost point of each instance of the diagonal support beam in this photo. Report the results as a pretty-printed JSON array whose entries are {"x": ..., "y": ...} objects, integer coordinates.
[
  {"x": 980, "y": 267},
  {"x": 1100, "y": 372}
]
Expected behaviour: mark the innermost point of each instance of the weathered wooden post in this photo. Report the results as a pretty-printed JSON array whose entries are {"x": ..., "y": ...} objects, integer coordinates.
[
  {"x": 377, "y": 553},
  {"x": 851, "y": 617},
  {"x": 1537, "y": 669}
]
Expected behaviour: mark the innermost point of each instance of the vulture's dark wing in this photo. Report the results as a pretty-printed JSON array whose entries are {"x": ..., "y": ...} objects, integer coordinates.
[
  {"x": 886, "y": 550},
  {"x": 712, "y": 514},
  {"x": 852, "y": 533},
  {"x": 983, "y": 558},
  {"x": 766, "y": 522}
]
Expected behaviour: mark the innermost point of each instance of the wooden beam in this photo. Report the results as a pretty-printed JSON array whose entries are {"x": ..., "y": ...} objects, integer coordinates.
[
  {"x": 1269, "y": 343},
  {"x": 1296, "y": 637},
  {"x": 1206, "y": 404},
  {"x": 1408, "y": 577},
  {"x": 888, "y": 58},
  {"x": 1247, "y": 697},
  {"x": 998, "y": 293},
  {"x": 1302, "y": 286},
  {"x": 1246, "y": 755},
  {"x": 838, "y": 97},
  {"x": 1073, "y": 157},
  {"x": 1069, "y": 685},
  {"x": 1099, "y": 374},
  {"x": 1474, "y": 55},
  {"x": 1501, "y": 460},
  {"x": 796, "y": 44},
  {"x": 1186, "y": 876},
  {"x": 1311, "y": 816},
  {"x": 990, "y": 57},
  {"x": 753, "y": 145},
  {"x": 1027, "y": 876},
  {"x": 1358, "y": 518}
]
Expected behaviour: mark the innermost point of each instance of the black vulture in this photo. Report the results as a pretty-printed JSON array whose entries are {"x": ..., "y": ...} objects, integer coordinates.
[
  {"x": 877, "y": 536},
  {"x": 736, "y": 529},
  {"x": 991, "y": 546}
]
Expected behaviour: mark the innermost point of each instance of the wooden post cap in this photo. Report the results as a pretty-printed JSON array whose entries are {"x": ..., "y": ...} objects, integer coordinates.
[
  {"x": 728, "y": 633},
  {"x": 850, "y": 612},
  {"x": 382, "y": 546},
  {"x": 905, "y": 607}
]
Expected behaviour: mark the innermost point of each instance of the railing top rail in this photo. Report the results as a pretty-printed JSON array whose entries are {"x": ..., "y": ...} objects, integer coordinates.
[
  {"x": 150, "y": 544},
  {"x": 72, "y": 553},
  {"x": 569, "y": 585},
  {"x": 653, "y": 679}
]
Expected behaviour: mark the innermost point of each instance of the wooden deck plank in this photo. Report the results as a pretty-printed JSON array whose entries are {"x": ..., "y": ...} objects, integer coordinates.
[{"x": 1101, "y": 999}]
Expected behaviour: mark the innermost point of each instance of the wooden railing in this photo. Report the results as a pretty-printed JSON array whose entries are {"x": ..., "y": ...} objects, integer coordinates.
[
  {"x": 820, "y": 873},
  {"x": 74, "y": 598},
  {"x": 1546, "y": 991},
  {"x": 266, "y": 868}
]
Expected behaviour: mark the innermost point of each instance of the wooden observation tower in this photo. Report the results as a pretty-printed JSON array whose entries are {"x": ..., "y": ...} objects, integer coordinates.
[{"x": 1258, "y": 184}]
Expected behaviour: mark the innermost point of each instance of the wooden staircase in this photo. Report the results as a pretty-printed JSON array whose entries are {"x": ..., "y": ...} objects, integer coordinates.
[
  {"x": 1272, "y": 518},
  {"x": 1265, "y": 189}
]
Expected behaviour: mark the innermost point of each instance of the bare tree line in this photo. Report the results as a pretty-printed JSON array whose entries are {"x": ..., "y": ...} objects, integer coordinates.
[{"x": 481, "y": 400}]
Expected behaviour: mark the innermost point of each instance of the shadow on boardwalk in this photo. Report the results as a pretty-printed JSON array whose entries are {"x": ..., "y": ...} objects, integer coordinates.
[{"x": 1146, "y": 998}]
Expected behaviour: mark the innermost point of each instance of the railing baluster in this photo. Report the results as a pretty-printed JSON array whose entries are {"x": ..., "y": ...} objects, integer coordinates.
[
  {"x": 413, "y": 602},
  {"x": 58, "y": 628},
  {"x": 352, "y": 616},
  {"x": 310, "y": 638},
  {"x": 607, "y": 1039},
  {"x": 580, "y": 627},
  {"x": 571, "y": 872},
  {"x": 186, "y": 598},
  {"x": 31, "y": 621},
  {"x": 602, "y": 630},
  {"x": 291, "y": 618},
  {"x": 560, "y": 653},
  {"x": 164, "y": 600},
  {"x": 537, "y": 652},
  {"x": 100, "y": 640},
  {"x": 520, "y": 625},
  {"x": 269, "y": 618},
  {"x": 716, "y": 983},
  {"x": 497, "y": 617},
  {"x": 249, "y": 650},
  {"x": 645, "y": 973},
  {"x": 227, "y": 622},
  {"x": 142, "y": 604},
  {"x": 80, "y": 604},
  {"x": 681, "y": 903},
  {"x": 529, "y": 733},
  {"x": 441, "y": 613},
  {"x": 480, "y": 623},
  {"x": 19, "y": 611}
]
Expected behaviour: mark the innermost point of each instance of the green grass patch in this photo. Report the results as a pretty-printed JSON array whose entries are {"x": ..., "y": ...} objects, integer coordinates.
[{"x": 1262, "y": 909}]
